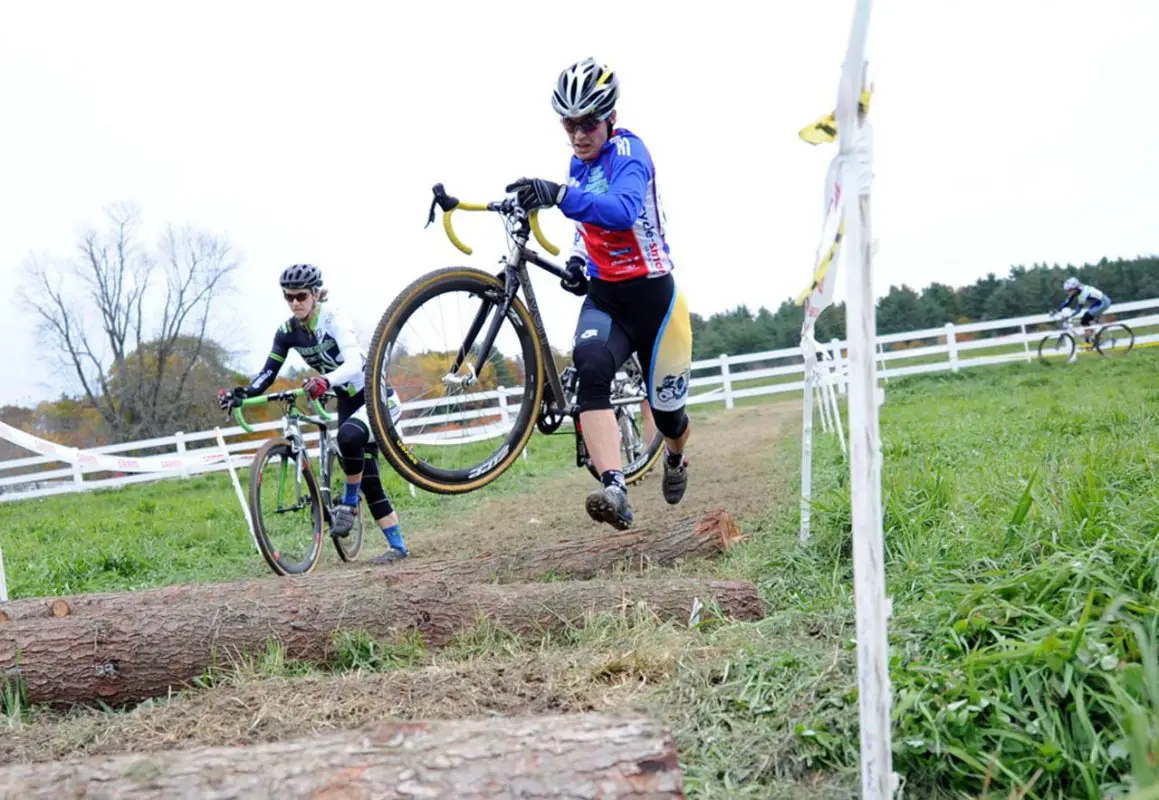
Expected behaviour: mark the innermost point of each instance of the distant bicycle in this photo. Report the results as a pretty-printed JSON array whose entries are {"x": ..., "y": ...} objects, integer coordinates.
[
  {"x": 1112, "y": 339},
  {"x": 289, "y": 499}
]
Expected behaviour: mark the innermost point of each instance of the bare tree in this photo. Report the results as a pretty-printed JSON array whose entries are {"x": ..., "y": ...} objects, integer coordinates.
[{"x": 130, "y": 323}]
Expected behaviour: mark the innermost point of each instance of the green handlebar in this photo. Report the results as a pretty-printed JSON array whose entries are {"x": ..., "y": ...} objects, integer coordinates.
[
  {"x": 321, "y": 412},
  {"x": 237, "y": 415},
  {"x": 265, "y": 398}
]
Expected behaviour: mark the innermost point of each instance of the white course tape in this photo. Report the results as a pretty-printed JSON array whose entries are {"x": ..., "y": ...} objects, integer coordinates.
[{"x": 104, "y": 461}]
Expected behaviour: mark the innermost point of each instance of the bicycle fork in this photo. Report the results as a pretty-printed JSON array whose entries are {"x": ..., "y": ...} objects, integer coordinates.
[{"x": 452, "y": 378}]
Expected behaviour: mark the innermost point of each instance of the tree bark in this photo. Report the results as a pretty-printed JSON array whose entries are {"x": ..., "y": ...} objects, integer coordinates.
[
  {"x": 576, "y": 756},
  {"x": 143, "y": 652},
  {"x": 700, "y": 536}
]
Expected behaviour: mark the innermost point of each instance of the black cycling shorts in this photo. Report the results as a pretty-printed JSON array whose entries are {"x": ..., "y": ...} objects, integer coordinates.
[{"x": 648, "y": 316}]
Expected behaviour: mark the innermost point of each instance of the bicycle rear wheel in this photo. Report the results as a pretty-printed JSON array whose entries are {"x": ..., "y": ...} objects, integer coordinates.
[
  {"x": 1115, "y": 339},
  {"x": 457, "y": 432},
  {"x": 637, "y": 454},
  {"x": 1056, "y": 345},
  {"x": 286, "y": 512},
  {"x": 350, "y": 545}
]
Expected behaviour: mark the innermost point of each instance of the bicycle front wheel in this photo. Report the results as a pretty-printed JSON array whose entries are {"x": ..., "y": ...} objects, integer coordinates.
[
  {"x": 462, "y": 422},
  {"x": 286, "y": 508},
  {"x": 1056, "y": 345},
  {"x": 1115, "y": 339}
]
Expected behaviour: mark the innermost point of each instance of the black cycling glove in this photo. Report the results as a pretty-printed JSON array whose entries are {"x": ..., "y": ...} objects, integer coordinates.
[
  {"x": 574, "y": 280},
  {"x": 536, "y": 193}
]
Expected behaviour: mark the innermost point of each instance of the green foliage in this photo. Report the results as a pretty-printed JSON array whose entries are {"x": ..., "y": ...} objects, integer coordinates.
[
  {"x": 1024, "y": 291},
  {"x": 1022, "y": 556}
]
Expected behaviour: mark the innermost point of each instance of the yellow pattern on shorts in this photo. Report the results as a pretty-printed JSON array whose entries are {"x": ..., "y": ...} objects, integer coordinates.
[{"x": 672, "y": 357}]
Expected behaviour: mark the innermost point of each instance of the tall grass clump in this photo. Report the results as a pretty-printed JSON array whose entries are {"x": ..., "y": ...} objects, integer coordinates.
[{"x": 1021, "y": 515}]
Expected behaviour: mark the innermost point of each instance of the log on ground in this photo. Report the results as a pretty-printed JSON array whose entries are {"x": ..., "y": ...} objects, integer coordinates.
[
  {"x": 581, "y": 558},
  {"x": 570, "y": 755},
  {"x": 131, "y": 656}
]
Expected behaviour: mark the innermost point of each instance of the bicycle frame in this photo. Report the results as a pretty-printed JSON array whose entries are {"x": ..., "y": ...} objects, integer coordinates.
[
  {"x": 558, "y": 400},
  {"x": 1072, "y": 326},
  {"x": 520, "y": 227},
  {"x": 292, "y": 420}
]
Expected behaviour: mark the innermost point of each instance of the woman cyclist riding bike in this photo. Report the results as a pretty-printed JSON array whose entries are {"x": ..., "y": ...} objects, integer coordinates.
[
  {"x": 1096, "y": 303},
  {"x": 632, "y": 301},
  {"x": 327, "y": 344}
]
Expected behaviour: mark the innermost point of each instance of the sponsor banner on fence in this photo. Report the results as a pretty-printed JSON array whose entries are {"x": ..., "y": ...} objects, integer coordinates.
[{"x": 108, "y": 461}]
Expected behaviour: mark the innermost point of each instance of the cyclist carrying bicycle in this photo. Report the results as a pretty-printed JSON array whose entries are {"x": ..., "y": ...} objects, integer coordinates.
[
  {"x": 328, "y": 345},
  {"x": 1096, "y": 301},
  {"x": 621, "y": 261}
]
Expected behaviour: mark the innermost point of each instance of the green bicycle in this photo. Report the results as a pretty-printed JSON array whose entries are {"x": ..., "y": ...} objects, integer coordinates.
[{"x": 288, "y": 500}]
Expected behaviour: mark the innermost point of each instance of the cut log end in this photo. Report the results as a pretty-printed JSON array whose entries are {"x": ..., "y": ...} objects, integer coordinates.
[
  {"x": 4, "y": 617},
  {"x": 59, "y": 608},
  {"x": 723, "y": 525}
]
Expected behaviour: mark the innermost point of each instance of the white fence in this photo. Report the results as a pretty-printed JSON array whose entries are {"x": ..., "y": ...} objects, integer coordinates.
[{"x": 728, "y": 379}]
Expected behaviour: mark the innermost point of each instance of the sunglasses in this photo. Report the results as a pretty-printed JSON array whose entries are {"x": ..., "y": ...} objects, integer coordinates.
[
  {"x": 586, "y": 125},
  {"x": 298, "y": 296}
]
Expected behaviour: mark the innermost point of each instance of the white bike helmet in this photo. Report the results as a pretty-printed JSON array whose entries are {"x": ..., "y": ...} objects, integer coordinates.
[
  {"x": 584, "y": 89},
  {"x": 1070, "y": 283}
]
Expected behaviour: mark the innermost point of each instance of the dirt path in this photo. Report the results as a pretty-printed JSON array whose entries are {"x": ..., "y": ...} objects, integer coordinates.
[{"x": 728, "y": 466}]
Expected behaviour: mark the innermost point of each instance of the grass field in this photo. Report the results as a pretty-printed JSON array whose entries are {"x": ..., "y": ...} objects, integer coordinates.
[
  {"x": 1021, "y": 514},
  {"x": 193, "y": 530}
]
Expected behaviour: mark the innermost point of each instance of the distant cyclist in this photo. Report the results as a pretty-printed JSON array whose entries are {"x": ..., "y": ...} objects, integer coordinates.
[
  {"x": 632, "y": 303},
  {"x": 327, "y": 343},
  {"x": 1079, "y": 294}
]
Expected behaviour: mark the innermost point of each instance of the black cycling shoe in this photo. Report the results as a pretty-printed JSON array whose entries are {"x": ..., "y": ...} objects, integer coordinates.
[
  {"x": 342, "y": 520},
  {"x": 610, "y": 504},
  {"x": 675, "y": 480},
  {"x": 390, "y": 555}
]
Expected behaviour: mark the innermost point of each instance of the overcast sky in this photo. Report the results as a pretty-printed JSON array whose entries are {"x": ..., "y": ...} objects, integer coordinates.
[{"x": 1006, "y": 133}]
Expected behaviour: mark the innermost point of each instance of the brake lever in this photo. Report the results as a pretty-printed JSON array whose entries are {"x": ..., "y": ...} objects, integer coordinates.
[{"x": 442, "y": 200}]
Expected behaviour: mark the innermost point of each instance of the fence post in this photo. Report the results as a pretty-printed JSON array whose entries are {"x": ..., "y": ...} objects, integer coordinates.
[
  {"x": 881, "y": 362},
  {"x": 180, "y": 437},
  {"x": 1026, "y": 344},
  {"x": 502, "y": 404},
  {"x": 952, "y": 344},
  {"x": 726, "y": 380},
  {"x": 77, "y": 476}
]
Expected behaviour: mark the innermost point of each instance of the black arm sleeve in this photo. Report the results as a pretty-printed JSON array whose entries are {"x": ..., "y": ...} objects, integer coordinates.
[{"x": 273, "y": 365}]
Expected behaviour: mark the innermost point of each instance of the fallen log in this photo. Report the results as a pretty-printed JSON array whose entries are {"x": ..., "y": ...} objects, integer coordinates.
[
  {"x": 119, "y": 657},
  {"x": 582, "y": 558},
  {"x": 572, "y": 755}
]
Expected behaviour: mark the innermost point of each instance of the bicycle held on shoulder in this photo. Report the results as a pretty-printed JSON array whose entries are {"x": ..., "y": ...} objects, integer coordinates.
[
  {"x": 1111, "y": 339},
  {"x": 290, "y": 499},
  {"x": 470, "y": 404}
]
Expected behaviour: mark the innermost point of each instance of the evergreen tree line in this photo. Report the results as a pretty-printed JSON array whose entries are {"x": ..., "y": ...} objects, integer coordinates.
[{"x": 1023, "y": 291}]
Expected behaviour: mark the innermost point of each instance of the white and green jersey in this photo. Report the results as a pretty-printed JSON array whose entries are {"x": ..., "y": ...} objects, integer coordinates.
[{"x": 326, "y": 343}]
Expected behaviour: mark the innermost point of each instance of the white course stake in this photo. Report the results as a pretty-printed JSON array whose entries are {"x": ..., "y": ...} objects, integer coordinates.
[
  {"x": 245, "y": 510},
  {"x": 835, "y": 412},
  {"x": 874, "y": 699},
  {"x": 807, "y": 451},
  {"x": 3, "y": 580},
  {"x": 822, "y": 404}
]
